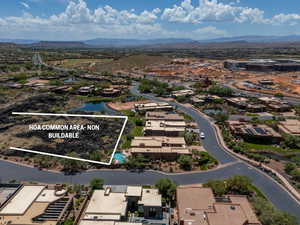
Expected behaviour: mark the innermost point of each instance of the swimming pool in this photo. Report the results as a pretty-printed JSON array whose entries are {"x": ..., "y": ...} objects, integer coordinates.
[{"x": 120, "y": 158}]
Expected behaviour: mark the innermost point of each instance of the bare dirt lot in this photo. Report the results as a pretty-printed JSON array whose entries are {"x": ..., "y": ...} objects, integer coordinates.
[
  {"x": 118, "y": 106},
  {"x": 286, "y": 83}
]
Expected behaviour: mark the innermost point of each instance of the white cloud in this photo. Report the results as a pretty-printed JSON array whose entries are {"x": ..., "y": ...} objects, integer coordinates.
[
  {"x": 78, "y": 21},
  {"x": 216, "y": 11},
  {"x": 209, "y": 32},
  {"x": 25, "y": 5},
  {"x": 80, "y": 13},
  {"x": 290, "y": 19}
]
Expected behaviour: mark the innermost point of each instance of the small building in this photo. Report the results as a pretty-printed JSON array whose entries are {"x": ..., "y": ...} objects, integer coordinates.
[
  {"x": 198, "y": 206},
  {"x": 197, "y": 100},
  {"x": 110, "y": 206},
  {"x": 32, "y": 204},
  {"x": 160, "y": 148},
  {"x": 110, "y": 92},
  {"x": 279, "y": 107},
  {"x": 36, "y": 83},
  {"x": 164, "y": 128},
  {"x": 14, "y": 85},
  {"x": 62, "y": 89},
  {"x": 274, "y": 104},
  {"x": 106, "y": 205},
  {"x": 150, "y": 204},
  {"x": 269, "y": 100},
  {"x": 245, "y": 104},
  {"x": 182, "y": 93},
  {"x": 253, "y": 132},
  {"x": 153, "y": 106},
  {"x": 86, "y": 90},
  {"x": 163, "y": 116},
  {"x": 266, "y": 82},
  {"x": 164, "y": 124},
  {"x": 291, "y": 127}
]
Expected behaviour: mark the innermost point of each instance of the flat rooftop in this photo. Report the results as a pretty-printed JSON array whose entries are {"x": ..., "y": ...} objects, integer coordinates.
[
  {"x": 244, "y": 203},
  {"x": 163, "y": 150},
  {"x": 247, "y": 128},
  {"x": 150, "y": 197},
  {"x": 165, "y": 125},
  {"x": 95, "y": 222},
  {"x": 227, "y": 214},
  {"x": 198, "y": 206},
  {"x": 47, "y": 195},
  {"x": 22, "y": 200},
  {"x": 290, "y": 127},
  {"x": 164, "y": 116},
  {"x": 152, "y": 105},
  {"x": 112, "y": 203},
  {"x": 186, "y": 198},
  {"x": 157, "y": 141},
  {"x": 134, "y": 191}
]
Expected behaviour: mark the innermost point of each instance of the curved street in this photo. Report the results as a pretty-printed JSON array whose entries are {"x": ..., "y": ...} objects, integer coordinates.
[{"x": 275, "y": 193}]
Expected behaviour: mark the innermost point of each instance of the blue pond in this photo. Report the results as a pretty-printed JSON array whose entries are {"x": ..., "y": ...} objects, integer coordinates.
[
  {"x": 97, "y": 107},
  {"x": 121, "y": 158}
]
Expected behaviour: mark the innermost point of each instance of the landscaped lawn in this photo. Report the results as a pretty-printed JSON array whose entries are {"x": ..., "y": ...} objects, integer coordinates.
[
  {"x": 250, "y": 146},
  {"x": 136, "y": 131}
]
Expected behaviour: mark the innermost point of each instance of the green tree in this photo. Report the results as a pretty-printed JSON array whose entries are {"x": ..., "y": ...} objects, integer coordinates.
[
  {"x": 68, "y": 222},
  {"x": 167, "y": 188},
  {"x": 205, "y": 160},
  {"x": 269, "y": 215},
  {"x": 291, "y": 141},
  {"x": 239, "y": 185},
  {"x": 181, "y": 98},
  {"x": 189, "y": 138},
  {"x": 278, "y": 95},
  {"x": 77, "y": 188},
  {"x": 221, "y": 117},
  {"x": 136, "y": 162},
  {"x": 289, "y": 167},
  {"x": 220, "y": 91},
  {"x": 20, "y": 77},
  {"x": 218, "y": 187},
  {"x": 96, "y": 183},
  {"x": 160, "y": 91},
  {"x": 296, "y": 175},
  {"x": 185, "y": 162},
  {"x": 70, "y": 165}
]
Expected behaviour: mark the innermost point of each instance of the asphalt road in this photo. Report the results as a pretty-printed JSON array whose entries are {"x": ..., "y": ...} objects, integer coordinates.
[
  {"x": 210, "y": 142},
  {"x": 270, "y": 188},
  {"x": 274, "y": 192}
]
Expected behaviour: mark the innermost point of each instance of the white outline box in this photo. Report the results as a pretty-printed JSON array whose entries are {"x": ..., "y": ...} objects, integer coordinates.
[{"x": 75, "y": 115}]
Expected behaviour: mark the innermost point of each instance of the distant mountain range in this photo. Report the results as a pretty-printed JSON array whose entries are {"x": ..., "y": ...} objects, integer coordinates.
[
  {"x": 18, "y": 41},
  {"x": 132, "y": 43},
  {"x": 255, "y": 39}
]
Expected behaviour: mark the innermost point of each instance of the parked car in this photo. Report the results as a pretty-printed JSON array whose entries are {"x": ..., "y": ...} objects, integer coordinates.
[{"x": 202, "y": 135}]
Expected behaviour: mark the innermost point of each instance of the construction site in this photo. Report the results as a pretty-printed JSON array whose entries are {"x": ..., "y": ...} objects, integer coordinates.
[{"x": 259, "y": 75}]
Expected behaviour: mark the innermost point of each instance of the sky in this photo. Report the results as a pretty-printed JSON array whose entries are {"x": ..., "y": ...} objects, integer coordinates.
[{"x": 75, "y": 20}]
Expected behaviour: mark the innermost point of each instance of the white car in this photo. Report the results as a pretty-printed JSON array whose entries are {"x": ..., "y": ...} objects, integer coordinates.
[{"x": 202, "y": 135}]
